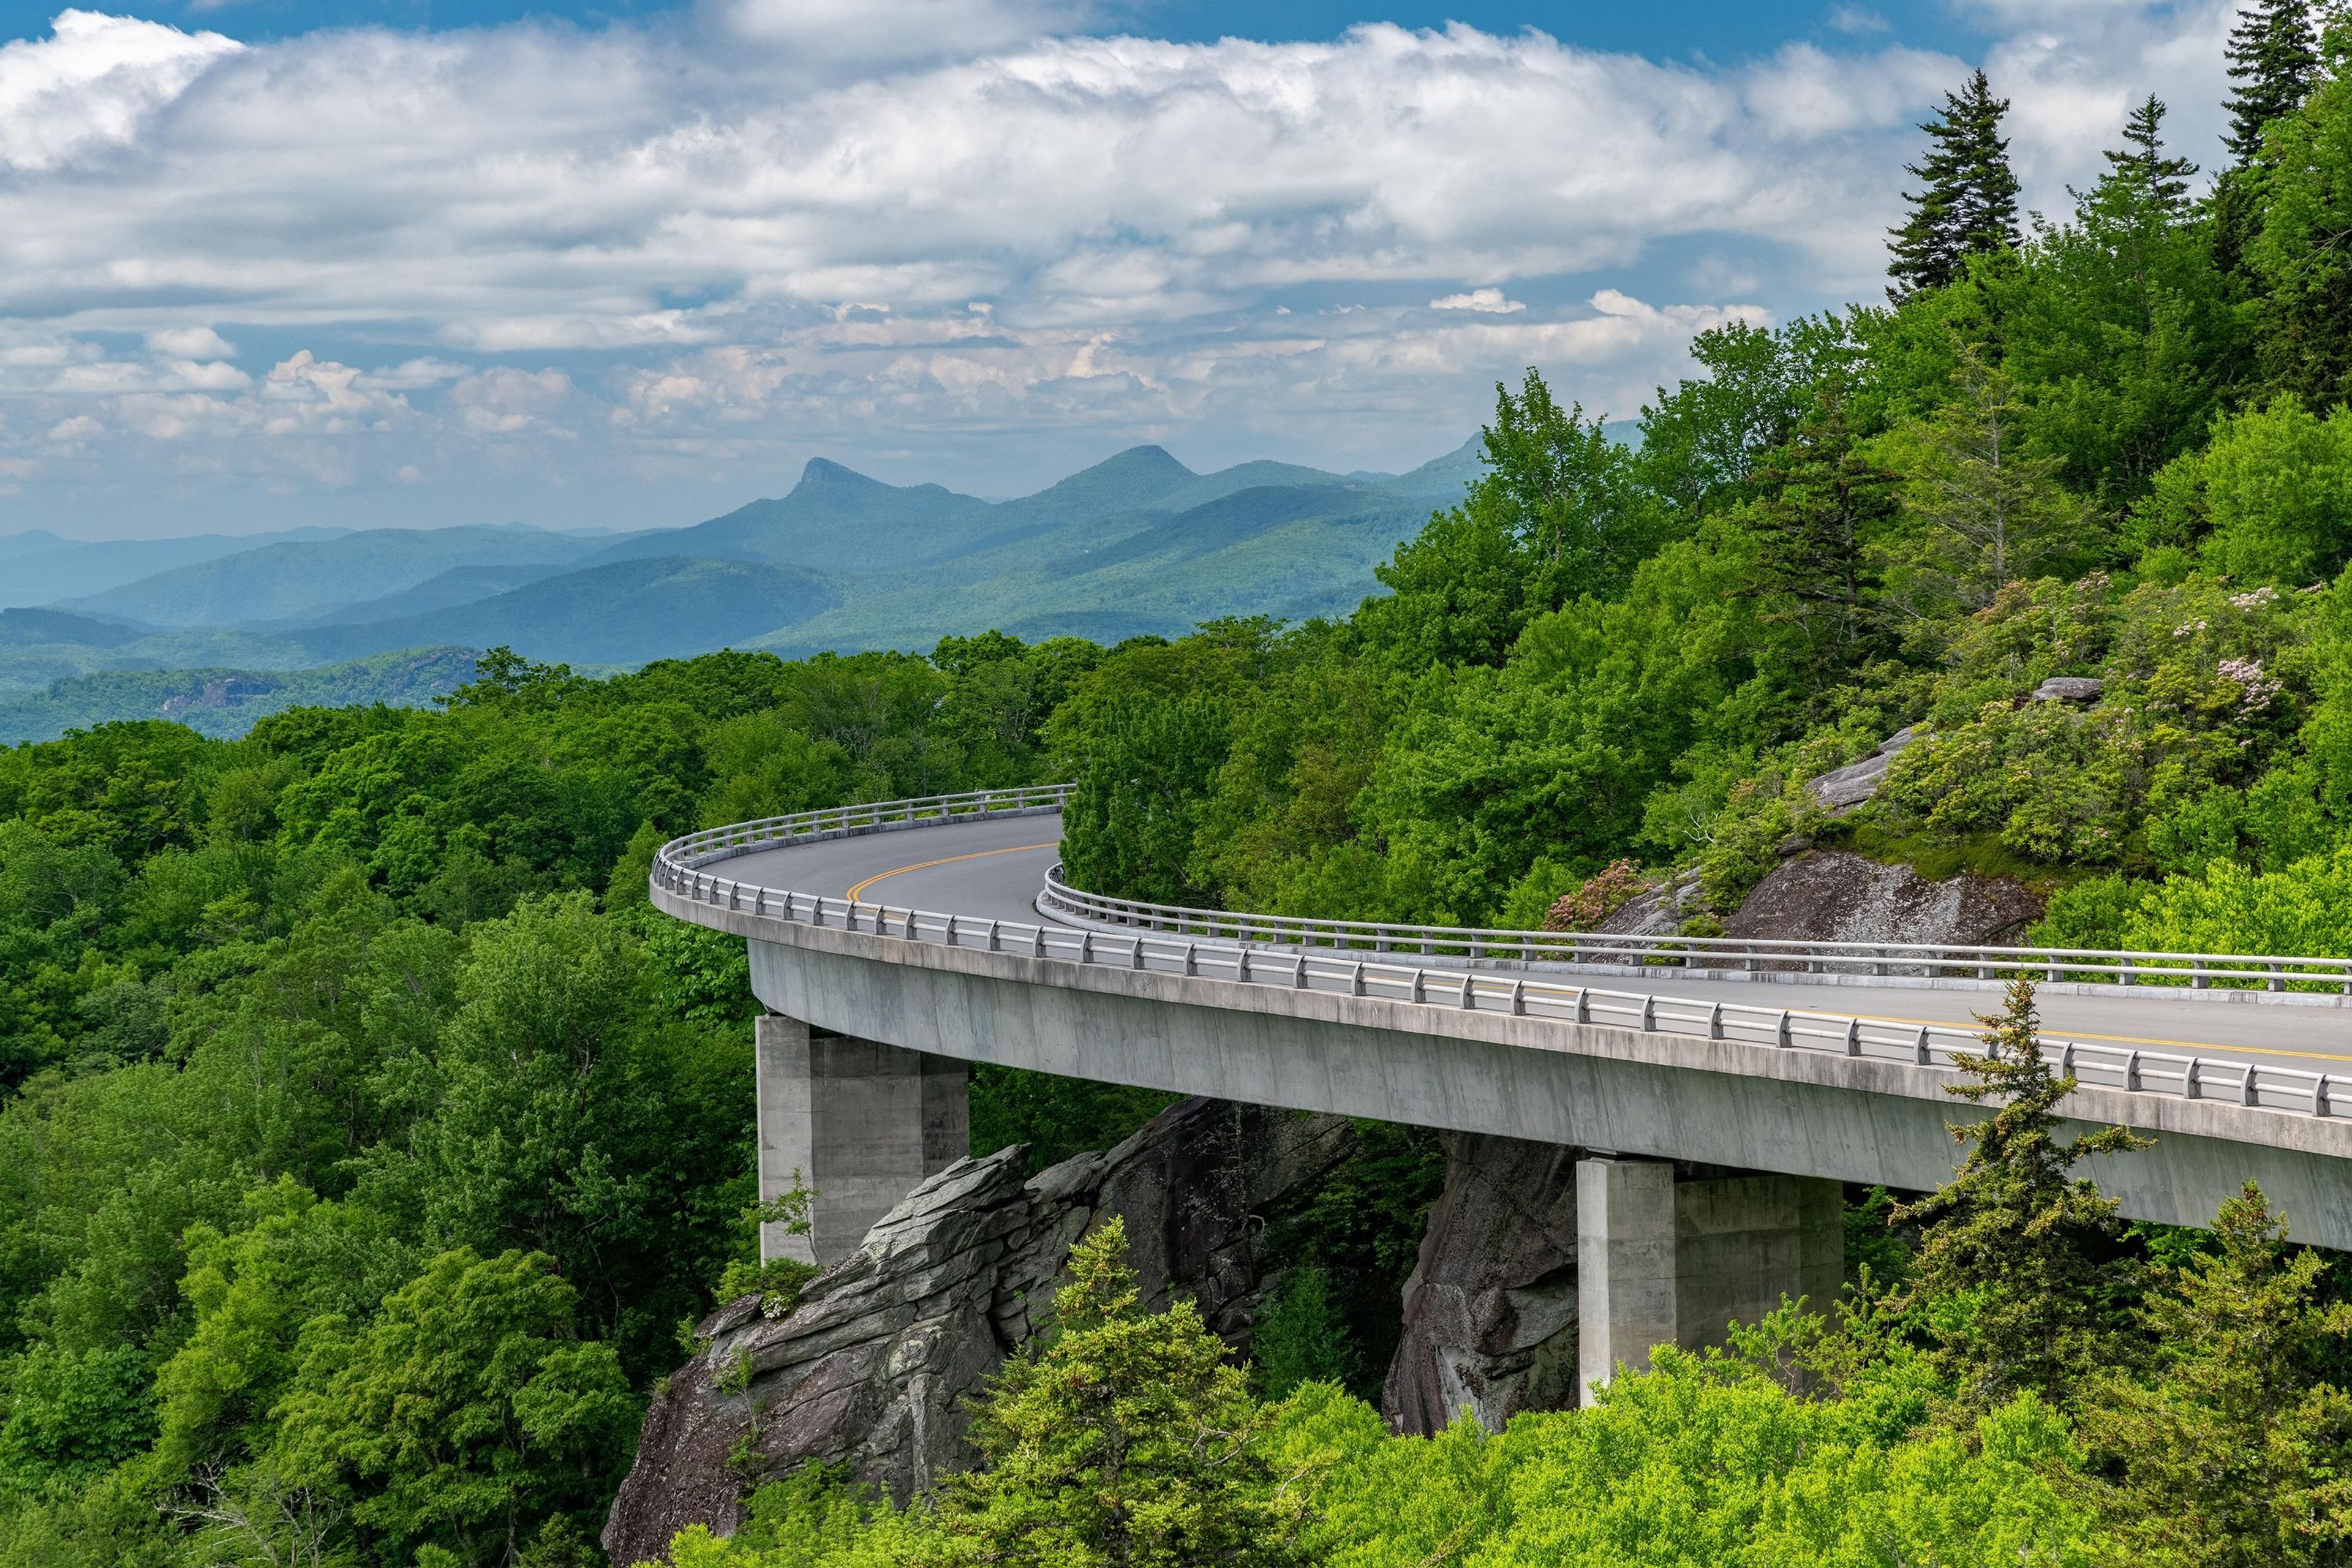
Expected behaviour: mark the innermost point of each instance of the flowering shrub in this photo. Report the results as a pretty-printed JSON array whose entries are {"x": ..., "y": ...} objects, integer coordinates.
[{"x": 1595, "y": 896}]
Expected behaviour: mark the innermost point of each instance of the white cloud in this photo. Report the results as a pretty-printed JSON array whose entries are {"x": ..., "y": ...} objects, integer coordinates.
[
  {"x": 910, "y": 227},
  {"x": 1488, "y": 300},
  {"x": 93, "y": 84},
  {"x": 81, "y": 427},
  {"x": 190, "y": 342}
]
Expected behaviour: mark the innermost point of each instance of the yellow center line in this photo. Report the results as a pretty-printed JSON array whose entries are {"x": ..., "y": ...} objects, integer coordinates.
[
  {"x": 859, "y": 891},
  {"x": 2127, "y": 1039}
]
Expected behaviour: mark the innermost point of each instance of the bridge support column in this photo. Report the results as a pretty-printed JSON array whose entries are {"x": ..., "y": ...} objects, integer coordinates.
[
  {"x": 1666, "y": 1261},
  {"x": 858, "y": 1123}
]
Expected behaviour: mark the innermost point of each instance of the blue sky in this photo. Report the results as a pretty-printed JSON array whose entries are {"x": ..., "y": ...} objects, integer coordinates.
[{"x": 405, "y": 262}]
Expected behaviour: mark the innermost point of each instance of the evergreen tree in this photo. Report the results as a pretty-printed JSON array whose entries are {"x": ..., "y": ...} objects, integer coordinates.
[
  {"x": 2019, "y": 1263},
  {"x": 1818, "y": 534},
  {"x": 2157, "y": 182},
  {"x": 2237, "y": 1452},
  {"x": 1967, "y": 204},
  {"x": 1130, "y": 1440},
  {"x": 1991, "y": 511},
  {"x": 2273, "y": 58}
]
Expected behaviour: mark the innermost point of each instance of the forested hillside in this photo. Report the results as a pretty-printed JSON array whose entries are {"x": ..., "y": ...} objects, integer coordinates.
[{"x": 367, "y": 1139}]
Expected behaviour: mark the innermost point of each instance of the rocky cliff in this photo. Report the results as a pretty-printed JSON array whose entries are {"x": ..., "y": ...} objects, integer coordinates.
[
  {"x": 1490, "y": 1310},
  {"x": 873, "y": 1369}
]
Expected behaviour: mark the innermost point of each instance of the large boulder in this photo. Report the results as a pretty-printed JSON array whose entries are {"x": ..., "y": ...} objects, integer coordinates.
[
  {"x": 874, "y": 1369},
  {"x": 1835, "y": 895},
  {"x": 1490, "y": 1310}
]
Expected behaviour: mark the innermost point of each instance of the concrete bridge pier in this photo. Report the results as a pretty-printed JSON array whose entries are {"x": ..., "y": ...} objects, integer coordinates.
[
  {"x": 858, "y": 1123},
  {"x": 1674, "y": 1257}
]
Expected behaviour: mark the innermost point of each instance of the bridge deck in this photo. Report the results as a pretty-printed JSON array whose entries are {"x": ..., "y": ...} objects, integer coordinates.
[{"x": 992, "y": 870}]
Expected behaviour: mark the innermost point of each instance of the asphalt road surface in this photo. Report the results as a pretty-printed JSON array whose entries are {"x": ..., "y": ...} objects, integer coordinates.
[{"x": 992, "y": 868}]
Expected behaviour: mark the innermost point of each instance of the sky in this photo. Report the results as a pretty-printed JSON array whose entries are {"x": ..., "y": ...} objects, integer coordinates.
[{"x": 365, "y": 263}]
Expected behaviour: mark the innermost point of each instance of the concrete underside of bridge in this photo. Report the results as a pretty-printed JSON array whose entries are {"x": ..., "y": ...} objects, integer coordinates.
[{"x": 1598, "y": 1087}]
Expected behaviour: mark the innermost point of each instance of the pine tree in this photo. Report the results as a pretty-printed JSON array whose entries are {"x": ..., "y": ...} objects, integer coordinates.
[
  {"x": 1967, "y": 204},
  {"x": 2019, "y": 1264},
  {"x": 2141, "y": 172},
  {"x": 1131, "y": 1439},
  {"x": 2237, "y": 1452},
  {"x": 1818, "y": 532},
  {"x": 2273, "y": 58}
]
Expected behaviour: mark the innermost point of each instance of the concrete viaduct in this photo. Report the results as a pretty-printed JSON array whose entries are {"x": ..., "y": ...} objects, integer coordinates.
[{"x": 894, "y": 945}]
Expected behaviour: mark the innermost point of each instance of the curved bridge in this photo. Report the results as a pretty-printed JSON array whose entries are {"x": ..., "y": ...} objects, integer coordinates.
[{"x": 914, "y": 925}]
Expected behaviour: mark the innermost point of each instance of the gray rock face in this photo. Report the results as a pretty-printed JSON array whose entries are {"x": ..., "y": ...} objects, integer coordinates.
[
  {"x": 1842, "y": 789},
  {"x": 873, "y": 1369},
  {"x": 1490, "y": 1310},
  {"x": 1835, "y": 895},
  {"x": 2069, "y": 689}
]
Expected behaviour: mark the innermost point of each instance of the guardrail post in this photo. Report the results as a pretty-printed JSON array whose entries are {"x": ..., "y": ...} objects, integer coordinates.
[
  {"x": 1583, "y": 1005},
  {"x": 1137, "y": 963},
  {"x": 1469, "y": 1000},
  {"x": 2320, "y": 1097},
  {"x": 1420, "y": 988},
  {"x": 1783, "y": 1037},
  {"x": 2123, "y": 973},
  {"x": 1920, "y": 1056},
  {"x": 1649, "y": 1014},
  {"x": 2131, "y": 1070},
  {"x": 996, "y": 941},
  {"x": 1039, "y": 938},
  {"x": 2192, "y": 1080},
  {"x": 1518, "y": 998},
  {"x": 1085, "y": 947},
  {"x": 1298, "y": 972},
  {"x": 1241, "y": 969},
  {"x": 1853, "y": 1036},
  {"x": 1356, "y": 980},
  {"x": 2053, "y": 977},
  {"x": 1191, "y": 958},
  {"x": 950, "y": 938},
  {"x": 2250, "y": 1091},
  {"x": 1715, "y": 1022},
  {"x": 2197, "y": 981},
  {"x": 2277, "y": 984}
]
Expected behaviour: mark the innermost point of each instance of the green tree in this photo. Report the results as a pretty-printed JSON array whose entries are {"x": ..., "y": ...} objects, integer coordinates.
[
  {"x": 1967, "y": 202},
  {"x": 2156, "y": 180},
  {"x": 1131, "y": 1439},
  {"x": 2302, "y": 254},
  {"x": 1819, "y": 532},
  {"x": 2274, "y": 60},
  {"x": 2236, "y": 1453},
  {"x": 1985, "y": 509},
  {"x": 463, "y": 1417},
  {"x": 2020, "y": 1265}
]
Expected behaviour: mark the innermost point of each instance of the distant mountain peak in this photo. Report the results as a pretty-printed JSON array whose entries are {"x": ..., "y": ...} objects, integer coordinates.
[{"x": 826, "y": 471}]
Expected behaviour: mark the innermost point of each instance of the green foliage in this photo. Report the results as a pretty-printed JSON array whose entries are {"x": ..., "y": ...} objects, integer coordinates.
[
  {"x": 1299, "y": 1336},
  {"x": 2019, "y": 1265},
  {"x": 2235, "y": 1452},
  {"x": 465, "y": 1414},
  {"x": 1129, "y": 1438},
  {"x": 2270, "y": 497},
  {"x": 1967, "y": 203}
]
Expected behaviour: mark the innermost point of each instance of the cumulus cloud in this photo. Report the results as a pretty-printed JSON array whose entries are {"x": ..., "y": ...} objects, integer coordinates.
[
  {"x": 1488, "y": 299},
  {"x": 907, "y": 225}
]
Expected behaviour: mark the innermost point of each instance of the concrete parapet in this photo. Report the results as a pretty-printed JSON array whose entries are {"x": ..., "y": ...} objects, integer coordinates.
[{"x": 860, "y": 1123}]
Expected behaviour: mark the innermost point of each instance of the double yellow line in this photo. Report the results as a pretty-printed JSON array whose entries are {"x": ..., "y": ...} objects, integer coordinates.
[{"x": 857, "y": 892}]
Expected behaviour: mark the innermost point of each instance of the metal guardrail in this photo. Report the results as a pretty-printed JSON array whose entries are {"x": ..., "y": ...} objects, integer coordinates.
[
  {"x": 681, "y": 868},
  {"x": 1751, "y": 956}
]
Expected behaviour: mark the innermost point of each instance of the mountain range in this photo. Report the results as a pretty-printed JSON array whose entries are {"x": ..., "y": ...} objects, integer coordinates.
[{"x": 1138, "y": 543}]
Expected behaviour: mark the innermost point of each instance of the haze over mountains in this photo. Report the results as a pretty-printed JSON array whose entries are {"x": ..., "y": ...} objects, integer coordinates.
[{"x": 1138, "y": 544}]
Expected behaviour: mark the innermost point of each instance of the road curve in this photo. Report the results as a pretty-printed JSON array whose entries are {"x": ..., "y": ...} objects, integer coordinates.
[{"x": 992, "y": 868}]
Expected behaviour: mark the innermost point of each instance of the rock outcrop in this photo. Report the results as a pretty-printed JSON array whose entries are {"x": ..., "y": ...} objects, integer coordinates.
[
  {"x": 1842, "y": 789},
  {"x": 1835, "y": 895},
  {"x": 1490, "y": 1310},
  {"x": 873, "y": 1369}
]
